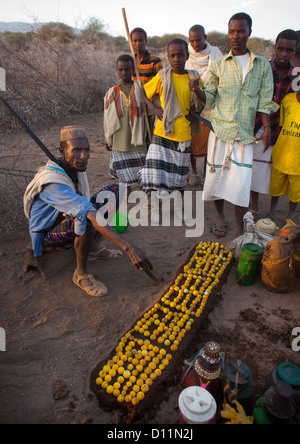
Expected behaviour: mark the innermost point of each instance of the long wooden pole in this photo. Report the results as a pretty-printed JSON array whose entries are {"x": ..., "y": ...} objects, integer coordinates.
[{"x": 136, "y": 69}]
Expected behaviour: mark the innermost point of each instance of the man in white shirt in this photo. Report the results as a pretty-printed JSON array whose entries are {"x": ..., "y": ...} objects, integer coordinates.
[{"x": 201, "y": 55}]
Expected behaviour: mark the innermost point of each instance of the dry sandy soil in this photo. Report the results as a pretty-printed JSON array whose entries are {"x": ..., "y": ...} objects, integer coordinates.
[{"x": 56, "y": 334}]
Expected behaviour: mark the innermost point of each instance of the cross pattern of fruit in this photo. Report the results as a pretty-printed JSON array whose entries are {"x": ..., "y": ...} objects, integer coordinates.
[{"x": 147, "y": 349}]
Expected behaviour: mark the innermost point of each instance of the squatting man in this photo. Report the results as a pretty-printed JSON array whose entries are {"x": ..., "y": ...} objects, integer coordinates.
[{"x": 62, "y": 215}]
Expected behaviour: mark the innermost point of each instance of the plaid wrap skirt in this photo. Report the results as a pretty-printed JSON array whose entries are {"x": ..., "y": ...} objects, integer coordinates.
[
  {"x": 126, "y": 166},
  {"x": 166, "y": 167}
]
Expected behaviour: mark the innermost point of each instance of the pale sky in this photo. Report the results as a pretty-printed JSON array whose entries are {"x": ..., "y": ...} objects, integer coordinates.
[{"x": 158, "y": 17}]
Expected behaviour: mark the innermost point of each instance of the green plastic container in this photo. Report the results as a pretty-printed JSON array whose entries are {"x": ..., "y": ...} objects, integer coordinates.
[
  {"x": 263, "y": 416},
  {"x": 249, "y": 263},
  {"x": 120, "y": 223},
  {"x": 276, "y": 406}
]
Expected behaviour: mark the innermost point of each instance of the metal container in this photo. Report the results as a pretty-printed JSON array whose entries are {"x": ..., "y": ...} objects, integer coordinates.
[{"x": 237, "y": 384}]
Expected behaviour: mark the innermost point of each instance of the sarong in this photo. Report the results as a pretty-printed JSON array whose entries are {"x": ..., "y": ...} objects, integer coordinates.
[
  {"x": 228, "y": 172},
  {"x": 166, "y": 167},
  {"x": 62, "y": 235},
  {"x": 262, "y": 167},
  {"x": 200, "y": 142},
  {"x": 126, "y": 166}
]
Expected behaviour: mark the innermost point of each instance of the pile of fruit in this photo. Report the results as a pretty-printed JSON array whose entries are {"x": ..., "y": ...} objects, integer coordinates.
[{"x": 147, "y": 349}]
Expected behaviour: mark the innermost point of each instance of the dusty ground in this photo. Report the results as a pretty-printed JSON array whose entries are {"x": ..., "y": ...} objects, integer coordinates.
[{"x": 56, "y": 334}]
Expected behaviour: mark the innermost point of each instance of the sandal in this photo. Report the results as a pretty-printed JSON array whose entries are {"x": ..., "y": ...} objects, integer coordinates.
[
  {"x": 219, "y": 230},
  {"x": 93, "y": 288},
  {"x": 104, "y": 253}
]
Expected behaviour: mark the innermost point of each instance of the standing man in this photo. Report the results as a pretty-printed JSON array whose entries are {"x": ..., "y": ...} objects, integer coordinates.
[
  {"x": 201, "y": 55},
  {"x": 286, "y": 44},
  {"x": 148, "y": 64},
  {"x": 240, "y": 85}
]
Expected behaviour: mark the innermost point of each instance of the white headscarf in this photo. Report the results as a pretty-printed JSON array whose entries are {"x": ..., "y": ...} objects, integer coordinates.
[{"x": 201, "y": 61}]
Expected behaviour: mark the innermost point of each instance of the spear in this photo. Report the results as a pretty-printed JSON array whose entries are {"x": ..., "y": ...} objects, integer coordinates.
[
  {"x": 136, "y": 68},
  {"x": 29, "y": 131}
]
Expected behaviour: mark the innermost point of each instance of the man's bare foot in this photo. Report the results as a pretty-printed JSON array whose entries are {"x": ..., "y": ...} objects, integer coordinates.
[{"x": 219, "y": 227}]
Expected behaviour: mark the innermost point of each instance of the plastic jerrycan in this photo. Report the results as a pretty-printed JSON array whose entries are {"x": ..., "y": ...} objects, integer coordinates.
[
  {"x": 197, "y": 406},
  {"x": 249, "y": 263}
]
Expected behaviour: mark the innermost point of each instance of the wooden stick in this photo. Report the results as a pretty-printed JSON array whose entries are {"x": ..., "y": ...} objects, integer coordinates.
[{"x": 136, "y": 69}]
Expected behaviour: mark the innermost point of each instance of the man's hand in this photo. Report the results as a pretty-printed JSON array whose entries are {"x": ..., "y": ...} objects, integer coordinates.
[
  {"x": 191, "y": 118},
  {"x": 265, "y": 138},
  {"x": 108, "y": 147},
  {"x": 194, "y": 85},
  {"x": 157, "y": 111},
  {"x": 138, "y": 258}
]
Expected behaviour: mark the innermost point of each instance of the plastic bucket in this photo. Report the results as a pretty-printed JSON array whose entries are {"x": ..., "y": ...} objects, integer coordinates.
[
  {"x": 197, "y": 406},
  {"x": 249, "y": 263}
]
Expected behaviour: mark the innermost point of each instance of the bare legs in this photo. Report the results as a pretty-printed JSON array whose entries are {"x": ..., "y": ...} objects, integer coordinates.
[
  {"x": 83, "y": 246},
  {"x": 274, "y": 203},
  {"x": 194, "y": 165},
  {"x": 219, "y": 228},
  {"x": 194, "y": 180},
  {"x": 239, "y": 215},
  {"x": 254, "y": 201}
]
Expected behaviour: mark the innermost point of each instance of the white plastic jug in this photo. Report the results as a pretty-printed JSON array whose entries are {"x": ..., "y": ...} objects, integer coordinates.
[{"x": 197, "y": 406}]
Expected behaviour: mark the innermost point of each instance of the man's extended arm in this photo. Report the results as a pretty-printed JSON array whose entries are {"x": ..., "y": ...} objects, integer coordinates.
[
  {"x": 137, "y": 257},
  {"x": 266, "y": 106},
  {"x": 63, "y": 199}
]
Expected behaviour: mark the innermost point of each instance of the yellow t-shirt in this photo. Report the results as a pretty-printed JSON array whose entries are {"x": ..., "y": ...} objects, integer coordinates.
[
  {"x": 182, "y": 127},
  {"x": 286, "y": 152}
]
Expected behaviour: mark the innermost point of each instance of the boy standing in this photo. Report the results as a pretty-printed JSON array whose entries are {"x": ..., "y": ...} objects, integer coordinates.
[
  {"x": 286, "y": 44},
  {"x": 124, "y": 125},
  {"x": 169, "y": 155},
  {"x": 286, "y": 156}
]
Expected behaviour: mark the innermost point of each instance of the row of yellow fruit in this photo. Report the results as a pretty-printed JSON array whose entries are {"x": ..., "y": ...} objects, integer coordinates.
[{"x": 147, "y": 349}]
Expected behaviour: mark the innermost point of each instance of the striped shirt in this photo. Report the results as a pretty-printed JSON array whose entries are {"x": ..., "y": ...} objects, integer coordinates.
[
  {"x": 237, "y": 102},
  {"x": 149, "y": 67},
  {"x": 282, "y": 87}
]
